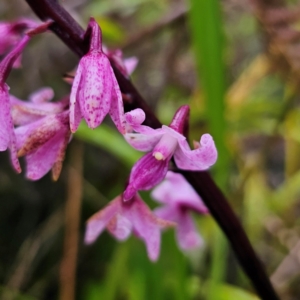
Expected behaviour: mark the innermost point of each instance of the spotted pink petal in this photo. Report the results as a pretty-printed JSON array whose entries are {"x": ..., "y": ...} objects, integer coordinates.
[
  {"x": 199, "y": 159},
  {"x": 117, "y": 109},
  {"x": 40, "y": 161},
  {"x": 75, "y": 112},
  {"x": 43, "y": 143},
  {"x": 7, "y": 135},
  {"x": 145, "y": 174},
  {"x": 96, "y": 88},
  {"x": 33, "y": 135}
]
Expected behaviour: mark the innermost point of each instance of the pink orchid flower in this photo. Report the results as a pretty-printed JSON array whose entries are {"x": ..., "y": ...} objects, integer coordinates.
[
  {"x": 121, "y": 219},
  {"x": 95, "y": 91},
  {"x": 180, "y": 199},
  {"x": 162, "y": 144}
]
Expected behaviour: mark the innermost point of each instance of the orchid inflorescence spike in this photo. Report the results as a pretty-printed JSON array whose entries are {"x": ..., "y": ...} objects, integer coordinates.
[{"x": 39, "y": 130}]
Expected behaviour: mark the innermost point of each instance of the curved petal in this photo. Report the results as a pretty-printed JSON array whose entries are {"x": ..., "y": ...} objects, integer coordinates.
[
  {"x": 145, "y": 174},
  {"x": 96, "y": 224},
  {"x": 199, "y": 159},
  {"x": 75, "y": 113},
  {"x": 96, "y": 88},
  {"x": 117, "y": 109},
  {"x": 135, "y": 117}
]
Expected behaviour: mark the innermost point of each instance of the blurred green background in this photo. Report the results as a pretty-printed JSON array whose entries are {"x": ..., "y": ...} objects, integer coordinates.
[{"x": 237, "y": 64}]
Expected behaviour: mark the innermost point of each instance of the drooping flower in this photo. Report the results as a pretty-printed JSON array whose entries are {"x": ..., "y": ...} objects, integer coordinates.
[
  {"x": 95, "y": 91},
  {"x": 121, "y": 218},
  {"x": 162, "y": 144},
  {"x": 43, "y": 143},
  {"x": 180, "y": 199}
]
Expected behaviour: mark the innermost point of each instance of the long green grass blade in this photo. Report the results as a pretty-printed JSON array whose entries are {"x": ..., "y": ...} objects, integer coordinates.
[{"x": 206, "y": 25}]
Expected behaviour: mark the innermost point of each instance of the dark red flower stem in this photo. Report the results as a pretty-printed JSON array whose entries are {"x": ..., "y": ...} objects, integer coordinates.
[{"x": 67, "y": 29}]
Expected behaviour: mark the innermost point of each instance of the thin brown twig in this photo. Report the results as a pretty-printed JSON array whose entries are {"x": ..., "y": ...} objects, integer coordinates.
[
  {"x": 72, "y": 220},
  {"x": 174, "y": 18}
]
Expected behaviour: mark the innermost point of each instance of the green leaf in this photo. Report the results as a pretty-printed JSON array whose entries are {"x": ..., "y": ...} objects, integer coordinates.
[
  {"x": 110, "y": 140},
  {"x": 206, "y": 25},
  {"x": 226, "y": 291}
]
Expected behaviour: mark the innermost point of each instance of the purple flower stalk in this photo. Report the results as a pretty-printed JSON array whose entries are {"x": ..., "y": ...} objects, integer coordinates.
[
  {"x": 162, "y": 144},
  {"x": 179, "y": 200},
  {"x": 121, "y": 219},
  {"x": 95, "y": 91}
]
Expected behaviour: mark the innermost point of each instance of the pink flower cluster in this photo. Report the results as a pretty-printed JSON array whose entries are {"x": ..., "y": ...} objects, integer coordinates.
[{"x": 40, "y": 131}]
